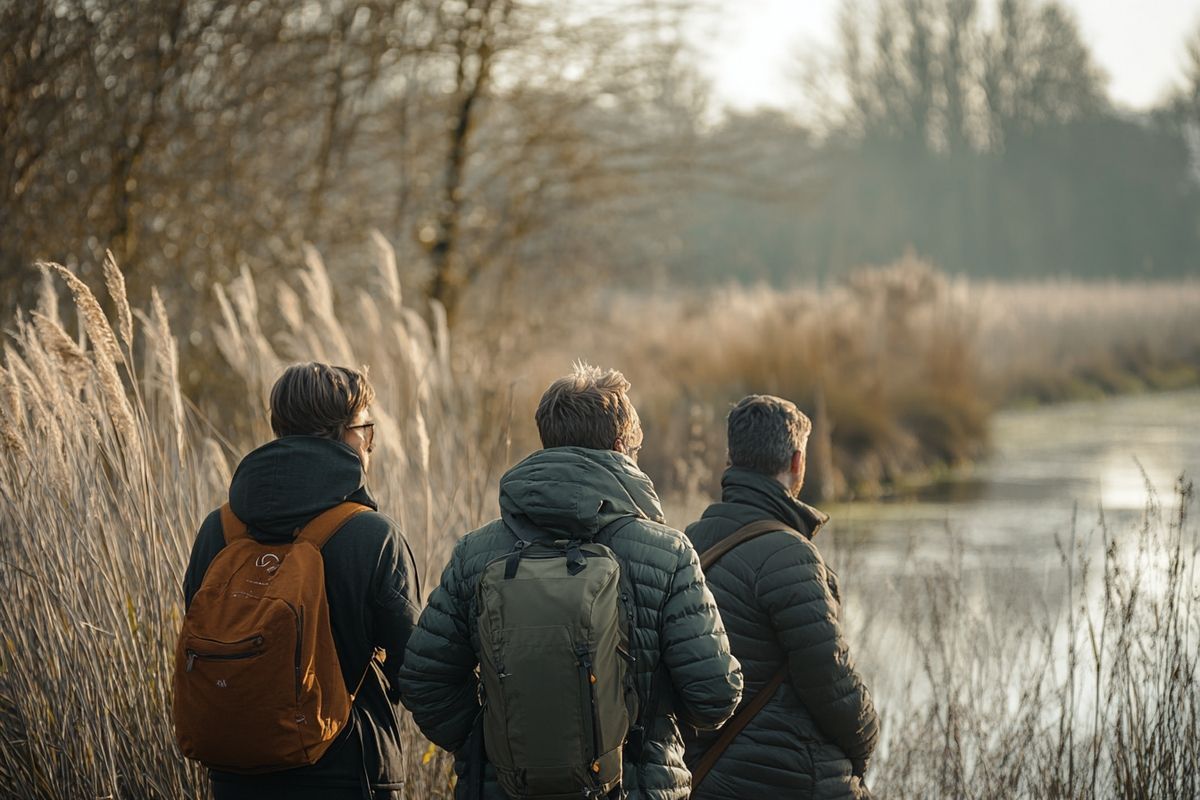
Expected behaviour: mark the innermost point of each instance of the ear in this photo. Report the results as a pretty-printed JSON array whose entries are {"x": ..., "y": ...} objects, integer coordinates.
[
  {"x": 797, "y": 461},
  {"x": 619, "y": 446}
]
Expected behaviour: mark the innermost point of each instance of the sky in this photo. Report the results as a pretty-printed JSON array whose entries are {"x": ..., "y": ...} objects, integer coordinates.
[{"x": 750, "y": 55}]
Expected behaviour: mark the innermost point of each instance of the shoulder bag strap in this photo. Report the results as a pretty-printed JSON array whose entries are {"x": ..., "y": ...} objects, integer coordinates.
[
  {"x": 743, "y": 534},
  {"x": 749, "y": 711}
]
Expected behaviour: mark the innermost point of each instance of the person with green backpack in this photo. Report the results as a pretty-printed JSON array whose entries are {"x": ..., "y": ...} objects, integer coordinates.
[
  {"x": 808, "y": 726},
  {"x": 570, "y": 638}
]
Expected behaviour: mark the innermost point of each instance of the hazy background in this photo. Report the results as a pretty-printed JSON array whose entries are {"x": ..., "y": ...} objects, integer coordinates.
[
  {"x": 501, "y": 145},
  {"x": 1142, "y": 48},
  {"x": 544, "y": 170}
]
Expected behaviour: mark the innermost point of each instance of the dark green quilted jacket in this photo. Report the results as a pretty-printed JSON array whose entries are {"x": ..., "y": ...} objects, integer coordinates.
[
  {"x": 780, "y": 603},
  {"x": 570, "y": 492}
]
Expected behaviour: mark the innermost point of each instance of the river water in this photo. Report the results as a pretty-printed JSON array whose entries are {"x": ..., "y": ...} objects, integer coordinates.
[
  {"x": 973, "y": 570},
  {"x": 1048, "y": 466}
]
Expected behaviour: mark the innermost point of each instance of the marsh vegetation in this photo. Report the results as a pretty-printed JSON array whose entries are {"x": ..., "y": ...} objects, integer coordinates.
[{"x": 106, "y": 467}]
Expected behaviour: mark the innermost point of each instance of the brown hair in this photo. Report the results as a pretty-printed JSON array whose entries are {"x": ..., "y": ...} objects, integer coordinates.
[
  {"x": 316, "y": 399},
  {"x": 588, "y": 408},
  {"x": 764, "y": 432}
]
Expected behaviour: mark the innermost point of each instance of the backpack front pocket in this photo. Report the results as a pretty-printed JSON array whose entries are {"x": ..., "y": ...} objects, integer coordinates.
[
  {"x": 213, "y": 650},
  {"x": 536, "y": 671}
]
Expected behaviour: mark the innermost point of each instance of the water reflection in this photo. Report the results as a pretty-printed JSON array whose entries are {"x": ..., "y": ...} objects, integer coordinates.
[
  {"x": 1048, "y": 467},
  {"x": 994, "y": 542}
]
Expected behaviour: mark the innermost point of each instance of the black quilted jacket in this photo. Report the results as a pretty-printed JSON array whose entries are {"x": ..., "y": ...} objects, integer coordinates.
[
  {"x": 574, "y": 493},
  {"x": 780, "y": 603}
]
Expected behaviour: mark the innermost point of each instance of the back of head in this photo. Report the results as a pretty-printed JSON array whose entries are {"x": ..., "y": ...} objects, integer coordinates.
[
  {"x": 589, "y": 408},
  {"x": 316, "y": 399},
  {"x": 764, "y": 432}
]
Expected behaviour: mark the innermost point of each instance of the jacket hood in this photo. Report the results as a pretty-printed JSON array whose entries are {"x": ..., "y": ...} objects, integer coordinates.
[
  {"x": 285, "y": 483},
  {"x": 746, "y": 487},
  {"x": 573, "y": 493}
]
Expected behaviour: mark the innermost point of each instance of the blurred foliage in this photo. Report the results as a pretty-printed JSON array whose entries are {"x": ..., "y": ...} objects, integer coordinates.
[
  {"x": 197, "y": 137},
  {"x": 899, "y": 367},
  {"x": 518, "y": 153}
]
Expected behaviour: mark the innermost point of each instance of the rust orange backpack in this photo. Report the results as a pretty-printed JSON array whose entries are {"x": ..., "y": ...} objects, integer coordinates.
[{"x": 258, "y": 686}]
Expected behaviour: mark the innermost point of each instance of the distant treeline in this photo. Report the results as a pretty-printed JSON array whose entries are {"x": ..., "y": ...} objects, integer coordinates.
[
  {"x": 985, "y": 144},
  {"x": 511, "y": 151}
]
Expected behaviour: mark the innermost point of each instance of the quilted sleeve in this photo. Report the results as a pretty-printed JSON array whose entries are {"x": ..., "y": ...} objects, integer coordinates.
[
  {"x": 437, "y": 679},
  {"x": 395, "y": 593},
  {"x": 794, "y": 588},
  {"x": 706, "y": 676}
]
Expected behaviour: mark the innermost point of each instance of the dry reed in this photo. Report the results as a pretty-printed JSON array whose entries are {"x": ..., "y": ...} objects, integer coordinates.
[{"x": 104, "y": 477}]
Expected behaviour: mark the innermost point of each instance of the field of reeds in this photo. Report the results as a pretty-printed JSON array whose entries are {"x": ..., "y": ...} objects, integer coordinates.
[{"x": 106, "y": 469}]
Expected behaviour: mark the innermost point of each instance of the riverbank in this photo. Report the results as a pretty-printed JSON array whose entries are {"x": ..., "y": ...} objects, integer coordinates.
[{"x": 902, "y": 367}]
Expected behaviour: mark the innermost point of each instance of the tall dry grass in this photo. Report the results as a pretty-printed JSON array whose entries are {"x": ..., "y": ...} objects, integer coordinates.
[
  {"x": 1062, "y": 340},
  {"x": 102, "y": 478},
  {"x": 1086, "y": 687},
  {"x": 885, "y": 363},
  {"x": 105, "y": 474}
]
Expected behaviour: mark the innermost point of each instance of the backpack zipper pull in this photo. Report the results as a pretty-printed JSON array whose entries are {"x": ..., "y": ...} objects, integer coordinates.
[{"x": 191, "y": 660}]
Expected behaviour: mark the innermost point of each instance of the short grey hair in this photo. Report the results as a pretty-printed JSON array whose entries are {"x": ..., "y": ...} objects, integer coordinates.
[{"x": 764, "y": 432}]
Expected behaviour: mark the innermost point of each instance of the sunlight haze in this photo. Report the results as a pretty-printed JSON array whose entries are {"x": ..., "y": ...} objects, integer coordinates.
[{"x": 750, "y": 50}]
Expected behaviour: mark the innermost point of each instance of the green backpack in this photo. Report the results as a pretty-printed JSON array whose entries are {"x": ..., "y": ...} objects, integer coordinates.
[{"x": 559, "y": 696}]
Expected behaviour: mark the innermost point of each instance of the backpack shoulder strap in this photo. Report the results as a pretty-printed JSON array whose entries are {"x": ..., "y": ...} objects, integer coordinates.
[
  {"x": 231, "y": 526},
  {"x": 322, "y": 527},
  {"x": 742, "y": 534}
]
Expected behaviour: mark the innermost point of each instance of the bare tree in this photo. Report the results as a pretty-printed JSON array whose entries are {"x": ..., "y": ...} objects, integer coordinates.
[
  {"x": 1036, "y": 71},
  {"x": 199, "y": 137},
  {"x": 928, "y": 72}
]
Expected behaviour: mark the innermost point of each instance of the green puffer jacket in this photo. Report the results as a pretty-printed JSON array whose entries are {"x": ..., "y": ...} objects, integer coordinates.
[
  {"x": 781, "y": 603},
  {"x": 574, "y": 493}
]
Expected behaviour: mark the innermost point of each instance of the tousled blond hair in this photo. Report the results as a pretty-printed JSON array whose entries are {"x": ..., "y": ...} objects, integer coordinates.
[{"x": 590, "y": 408}]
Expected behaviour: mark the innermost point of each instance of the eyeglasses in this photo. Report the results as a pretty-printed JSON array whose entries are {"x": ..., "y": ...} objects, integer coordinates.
[{"x": 368, "y": 434}]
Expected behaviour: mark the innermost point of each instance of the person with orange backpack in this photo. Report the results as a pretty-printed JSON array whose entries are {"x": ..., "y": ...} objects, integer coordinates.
[{"x": 294, "y": 588}]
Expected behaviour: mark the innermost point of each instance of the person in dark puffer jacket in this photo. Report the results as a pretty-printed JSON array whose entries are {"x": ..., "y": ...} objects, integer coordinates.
[
  {"x": 780, "y": 604},
  {"x": 586, "y": 479}
]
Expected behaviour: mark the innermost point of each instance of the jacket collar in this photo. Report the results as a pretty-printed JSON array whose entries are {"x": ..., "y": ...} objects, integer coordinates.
[{"x": 764, "y": 493}]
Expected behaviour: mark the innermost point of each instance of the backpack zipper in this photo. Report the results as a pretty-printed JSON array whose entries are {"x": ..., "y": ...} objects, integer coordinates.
[
  {"x": 585, "y": 671},
  {"x": 299, "y": 613},
  {"x": 194, "y": 654}
]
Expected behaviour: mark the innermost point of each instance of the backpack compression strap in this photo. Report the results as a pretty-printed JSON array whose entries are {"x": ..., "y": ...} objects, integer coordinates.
[
  {"x": 318, "y": 530},
  {"x": 749, "y": 711}
]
